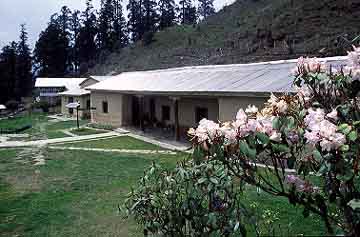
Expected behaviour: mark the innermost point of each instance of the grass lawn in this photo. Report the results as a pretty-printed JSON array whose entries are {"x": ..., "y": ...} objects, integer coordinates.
[
  {"x": 87, "y": 131},
  {"x": 74, "y": 194},
  {"x": 123, "y": 142},
  {"x": 18, "y": 122},
  {"x": 41, "y": 127},
  {"x": 77, "y": 193}
]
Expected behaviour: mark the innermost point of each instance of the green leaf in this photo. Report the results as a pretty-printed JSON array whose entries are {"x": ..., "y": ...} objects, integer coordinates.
[
  {"x": 246, "y": 150},
  {"x": 344, "y": 148},
  {"x": 276, "y": 123},
  {"x": 214, "y": 181},
  {"x": 345, "y": 128},
  {"x": 280, "y": 148},
  {"x": 354, "y": 204},
  {"x": 317, "y": 155},
  {"x": 353, "y": 136},
  {"x": 263, "y": 138}
]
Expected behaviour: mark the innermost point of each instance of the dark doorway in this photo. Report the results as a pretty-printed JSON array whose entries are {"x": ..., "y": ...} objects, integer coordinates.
[
  {"x": 71, "y": 100},
  {"x": 201, "y": 113},
  {"x": 135, "y": 111}
]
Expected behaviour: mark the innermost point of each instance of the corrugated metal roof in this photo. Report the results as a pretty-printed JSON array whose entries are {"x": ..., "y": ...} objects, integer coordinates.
[
  {"x": 68, "y": 83},
  {"x": 266, "y": 77}
]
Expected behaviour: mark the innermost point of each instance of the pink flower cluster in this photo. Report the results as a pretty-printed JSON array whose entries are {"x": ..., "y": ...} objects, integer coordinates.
[
  {"x": 308, "y": 65},
  {"x": 304, "y": 93},
  {"x": 353, "y": 67},
  {"x": 301, "y": 185},
  {"x": 319, "y": 129},
  {"x": 242, "y": 126}
]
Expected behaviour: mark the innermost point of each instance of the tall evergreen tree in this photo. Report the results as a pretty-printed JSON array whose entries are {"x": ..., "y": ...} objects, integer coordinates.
[
  {"x": 135, "y": 19},
  {"x": 188, "y": 14},
  {"x": 8, "y": 72},
  {"x": 167, "y": 13},
  {"x": 75, "y": 27},
  {"x": 24, "y": 80},
  {"x": 120, "y": 34},
  {"x": 150, "y": 15},
  {"x": 206, "y": 8},
  {"x": 86, "y": 39},
  {"x": 52, "y": 50},
  {"x": 105, "y": 28}
]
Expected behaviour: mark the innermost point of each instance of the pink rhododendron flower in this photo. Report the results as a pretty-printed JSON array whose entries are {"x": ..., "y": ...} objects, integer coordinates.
[
  {"x": 251, "y": 109},
  {"x": 282, "y": 106},
  {"x": 333, "y": 115}
]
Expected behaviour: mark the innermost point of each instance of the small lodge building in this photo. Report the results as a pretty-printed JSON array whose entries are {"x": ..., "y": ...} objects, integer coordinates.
[
  {"x": 178, "y": 98},
  {"x": 80, "y": 95},
  {"x": 48, "y": 89}
]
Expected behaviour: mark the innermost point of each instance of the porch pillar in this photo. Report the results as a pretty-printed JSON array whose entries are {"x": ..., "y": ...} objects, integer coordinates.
[
  {"x": 176, "y": 118},
  {"x": 141, "y": 112}
]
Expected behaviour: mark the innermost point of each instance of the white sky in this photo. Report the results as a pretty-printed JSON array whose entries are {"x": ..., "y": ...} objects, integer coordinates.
[{"x": 36, "y": 14}]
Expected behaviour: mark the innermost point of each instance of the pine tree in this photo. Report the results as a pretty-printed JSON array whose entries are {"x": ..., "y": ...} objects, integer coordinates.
[
  {"x": 135, "y": 19},
  {"x": 120, "y": 34},
  {"x": 8, "y": 72},
  {"x": 86, "y": 39},
  {"x": 75, "y": 27},
  {"x": 188, "y": 14},
  {"x": 167, "y": 13},
  {"x": 105, "y": 27},
  {"x": 206, "y": 8},
  {"x": 52, "y": 50},
  {"x": 24, "y": 80},
  {"x": 150, "y": 15}
]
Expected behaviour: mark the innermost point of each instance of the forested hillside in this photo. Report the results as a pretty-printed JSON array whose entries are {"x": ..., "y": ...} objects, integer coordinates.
[{"x": 247, "y": 31}]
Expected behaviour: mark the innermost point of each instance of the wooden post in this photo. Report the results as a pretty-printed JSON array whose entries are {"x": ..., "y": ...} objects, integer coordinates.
[
  {"x": 77, "y": 117},
  {"x": 176, "y": 117},
  {"x": 141, "y": 112}
]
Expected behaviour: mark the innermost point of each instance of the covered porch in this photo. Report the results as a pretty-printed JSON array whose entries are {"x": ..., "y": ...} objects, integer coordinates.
[{"x": 169, "y": 117}]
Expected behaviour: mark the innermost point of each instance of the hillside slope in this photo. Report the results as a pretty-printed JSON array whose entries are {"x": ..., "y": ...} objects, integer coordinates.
[{"x": 247, "y": 31}]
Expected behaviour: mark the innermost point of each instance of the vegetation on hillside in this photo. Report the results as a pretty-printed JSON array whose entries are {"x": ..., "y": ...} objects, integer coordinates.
[{"x": 247, "y": 31}]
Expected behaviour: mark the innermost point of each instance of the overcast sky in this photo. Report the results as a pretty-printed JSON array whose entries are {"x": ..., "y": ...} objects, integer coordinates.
[{"x": 36, "y": 13}]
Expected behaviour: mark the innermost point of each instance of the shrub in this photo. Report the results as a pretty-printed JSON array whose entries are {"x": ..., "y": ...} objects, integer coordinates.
[
  {"x": 12, "y": 105},
  {"x": 43, "y": 105},
  {"x": 192, "y": 200},
  {"x": 315, "y": 131}
]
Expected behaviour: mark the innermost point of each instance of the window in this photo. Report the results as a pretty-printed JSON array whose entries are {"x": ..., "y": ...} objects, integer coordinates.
[
  {"x": 165, "y": 110},
  {"x": 88, "y": 104},
  {"x": 201, "y": 113},
  {"x": 105, "y": 107}
]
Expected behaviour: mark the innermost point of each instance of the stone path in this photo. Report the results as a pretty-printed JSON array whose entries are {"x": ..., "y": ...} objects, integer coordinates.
[
  {"x": 145, "y": 152},
  {"x": 9, "y": 144},
  {"x": 164, "y": 143}
]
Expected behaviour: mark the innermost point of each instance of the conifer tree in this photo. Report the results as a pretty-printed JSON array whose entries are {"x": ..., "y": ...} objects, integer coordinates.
[
  {"x": 135, "y": 19},
  {"x": 120, "y": 34},
  {"x": 188, "y": 14},
  {"x": 52, "y": 49},
  {"x": 167, "y": 13},
  {"x": 105, "y": 25},
  {"x": 86, "y": 39},
  {"x": 8, "y": 58},
  {"x": 75, "y": 26},
  {"x": 24, "y": 80},
  {"x": 206, "y": 8}
]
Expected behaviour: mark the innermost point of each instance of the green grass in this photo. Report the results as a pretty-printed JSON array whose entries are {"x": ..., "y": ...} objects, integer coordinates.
[
  {"x": 41, "y": 127},
  {"x": 74, "y": 194},
  {"x": 19, "y": 121},
  {"x": 123, "y": 142},
  {"x": 77, "y": 193},
  {"x": 87, "y": 131}
]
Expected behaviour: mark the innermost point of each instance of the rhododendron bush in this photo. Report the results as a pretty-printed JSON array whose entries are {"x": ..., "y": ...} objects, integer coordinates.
[
  {"x": 313, "y": 132},
  {"x": 303, "y": 146}
]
